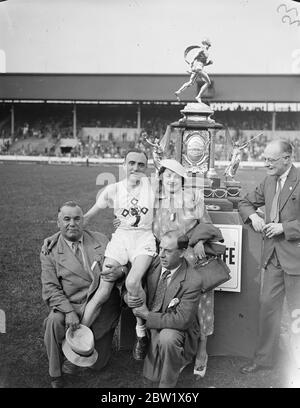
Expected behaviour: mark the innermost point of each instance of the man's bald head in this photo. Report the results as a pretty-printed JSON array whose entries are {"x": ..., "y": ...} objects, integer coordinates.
[
  {"x": 281, "y": 146},
  {"x": 278, "y": 157}
]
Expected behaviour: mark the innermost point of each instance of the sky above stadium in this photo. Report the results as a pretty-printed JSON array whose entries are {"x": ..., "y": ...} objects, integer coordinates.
[{"x": 148, "y": 36}]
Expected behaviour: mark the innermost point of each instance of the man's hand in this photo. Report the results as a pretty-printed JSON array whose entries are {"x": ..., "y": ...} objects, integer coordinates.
[
  {"x": 258, "y": 223},
  {"x": 47, "y": 245},
  {"x": 72, "y": 321},
  {"x": 199, "y": 250},
  {"x": 273, "y": 229},
  {"x": 113, "y": 273},
  {"x": 141, "y": 312},
  {"x": 133, "y": 301}
]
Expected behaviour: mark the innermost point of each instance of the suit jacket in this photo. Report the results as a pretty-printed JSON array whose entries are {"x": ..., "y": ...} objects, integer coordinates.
[
  {"x": 67, "y": 286},
  {"x": 287, "y": 245},
  {"x": 185, "y": 285}
]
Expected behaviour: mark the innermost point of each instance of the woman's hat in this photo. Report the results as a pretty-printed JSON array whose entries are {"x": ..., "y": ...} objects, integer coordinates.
[
  {"x": 79, "y": 347},
  {"x": 175, "y": 166}
]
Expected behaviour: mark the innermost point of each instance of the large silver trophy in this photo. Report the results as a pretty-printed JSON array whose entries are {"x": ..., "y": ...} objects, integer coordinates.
[{"x": 191, "y": 140}]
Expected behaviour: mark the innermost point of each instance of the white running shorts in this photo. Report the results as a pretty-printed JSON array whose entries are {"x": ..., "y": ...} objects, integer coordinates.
[{"x": 126, "y": 245}]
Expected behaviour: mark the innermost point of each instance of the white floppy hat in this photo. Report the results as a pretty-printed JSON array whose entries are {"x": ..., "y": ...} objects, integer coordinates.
[
  {"x": 175, "y": 166},
  {"x": 79, "y": 347}
]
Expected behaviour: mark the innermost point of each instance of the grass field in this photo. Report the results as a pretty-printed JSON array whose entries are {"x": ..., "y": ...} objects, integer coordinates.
[{"x": 30, "y": 195}]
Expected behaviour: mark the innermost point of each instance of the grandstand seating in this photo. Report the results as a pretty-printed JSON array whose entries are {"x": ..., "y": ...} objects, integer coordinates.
[
  {"x": 40, "y": 127},
  {"x": 34, "y": 146}
]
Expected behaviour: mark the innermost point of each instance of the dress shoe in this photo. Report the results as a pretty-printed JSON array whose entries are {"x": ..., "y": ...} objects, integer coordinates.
[
  {"x": 253, "y": 368},
  {"x": 69, "y": 368},
  {"x": 200, "y": 368},
  {"x": 57, "y": 382},
  {"x": 140, "y": 348}
]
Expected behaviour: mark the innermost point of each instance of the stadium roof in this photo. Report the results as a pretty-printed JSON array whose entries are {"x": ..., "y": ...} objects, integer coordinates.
[{"x": 146, "y": 87}]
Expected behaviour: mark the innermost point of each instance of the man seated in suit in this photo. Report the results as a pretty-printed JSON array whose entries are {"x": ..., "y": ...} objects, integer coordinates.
[
  {"x": 70, "y": 277},
  {"x": 173, "y": 291}
]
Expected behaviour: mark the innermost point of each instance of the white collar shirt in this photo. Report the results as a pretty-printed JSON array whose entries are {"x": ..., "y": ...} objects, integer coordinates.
[
  {"x": 283, "y": 178},
  {"x": 171, "y": 274}
]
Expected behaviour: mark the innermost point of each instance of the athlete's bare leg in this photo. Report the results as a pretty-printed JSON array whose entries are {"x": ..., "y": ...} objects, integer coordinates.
[{"x": 203, "y": 88}]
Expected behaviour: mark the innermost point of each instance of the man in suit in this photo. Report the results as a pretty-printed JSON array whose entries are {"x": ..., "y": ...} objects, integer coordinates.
[
  {"x": 70, "y": 277},
  {"x": 173, "y": 291},
  {"x": 279, "y": 192}
]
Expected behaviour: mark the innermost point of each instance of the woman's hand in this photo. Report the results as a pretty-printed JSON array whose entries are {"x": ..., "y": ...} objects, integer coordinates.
[
  {"x": 199, "y": 250},
  {"x": 116, "y": 223}
]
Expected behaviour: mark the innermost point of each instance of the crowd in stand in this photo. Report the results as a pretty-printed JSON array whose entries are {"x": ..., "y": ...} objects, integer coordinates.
[{"x": 55, "y": 123}]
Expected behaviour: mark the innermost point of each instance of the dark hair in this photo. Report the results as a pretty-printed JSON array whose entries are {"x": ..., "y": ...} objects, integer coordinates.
[
  {"x": 182, "y": 240},
  {"x": 135, "y": 151},
  {"x": 68, "y": 204},
  {"x": 160, "y": 185}
]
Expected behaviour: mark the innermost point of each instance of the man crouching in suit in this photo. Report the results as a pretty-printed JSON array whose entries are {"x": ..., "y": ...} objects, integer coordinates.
[
  {"x": 70, "y": 276},
  {"x": 173, "y": 291}
]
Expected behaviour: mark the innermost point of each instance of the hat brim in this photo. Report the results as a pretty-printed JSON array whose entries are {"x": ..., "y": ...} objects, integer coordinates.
[
  {"x": 78, "y": 360},
  {"x": 174, "y": 166},
  {"x": 81, "y": 349}
]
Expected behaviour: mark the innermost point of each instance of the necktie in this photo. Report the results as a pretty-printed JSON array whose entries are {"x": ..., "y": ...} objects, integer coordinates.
[
  {"x": 77, "y": 252},
  {"x": 274, "y": 214},
  {"x": 160, "y": 292}
]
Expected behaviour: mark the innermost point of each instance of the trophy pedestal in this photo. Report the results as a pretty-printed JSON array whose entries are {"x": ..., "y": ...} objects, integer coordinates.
[
  {"x": 196, "y": 113},
  {"x": 232, "y": 183},
  {"x": 212, "y": 174}
]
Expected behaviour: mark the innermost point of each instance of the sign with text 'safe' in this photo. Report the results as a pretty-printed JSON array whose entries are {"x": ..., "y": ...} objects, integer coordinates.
[{"x": 232, "y": 235}]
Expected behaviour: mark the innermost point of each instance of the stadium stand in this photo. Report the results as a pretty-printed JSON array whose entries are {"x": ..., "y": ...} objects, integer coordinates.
[{"x": 106, "y": 129}]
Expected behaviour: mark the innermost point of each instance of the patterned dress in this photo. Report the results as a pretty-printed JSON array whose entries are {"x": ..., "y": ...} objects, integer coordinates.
[{"x": 182, "y": 212}]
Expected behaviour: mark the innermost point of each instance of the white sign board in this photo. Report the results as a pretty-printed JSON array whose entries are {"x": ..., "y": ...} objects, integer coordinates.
[{"x": 232, "y": 235}]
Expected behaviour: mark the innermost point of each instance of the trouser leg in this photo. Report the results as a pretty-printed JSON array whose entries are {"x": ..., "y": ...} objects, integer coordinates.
[
  {"x": 271, "y": 301},
  {"x": 171, "y": 353},
  {"x": 292, "y": 290},
  {"x": 103, "y": 347},
  {"x": 53, "y": 338},
  {"x": 165, "y": 357}
]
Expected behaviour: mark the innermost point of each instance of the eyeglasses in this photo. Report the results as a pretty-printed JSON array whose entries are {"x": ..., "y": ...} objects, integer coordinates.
[{"x": 271, "y": 161}]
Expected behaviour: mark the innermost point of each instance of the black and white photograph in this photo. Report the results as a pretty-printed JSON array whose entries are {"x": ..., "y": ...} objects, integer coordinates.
[{"x": 150, "y": 197}]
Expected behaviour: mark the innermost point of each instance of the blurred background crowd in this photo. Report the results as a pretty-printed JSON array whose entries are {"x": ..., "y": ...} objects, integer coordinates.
[{"x": 108, "y": 130}]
